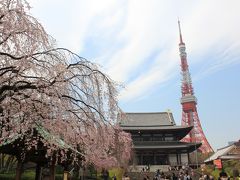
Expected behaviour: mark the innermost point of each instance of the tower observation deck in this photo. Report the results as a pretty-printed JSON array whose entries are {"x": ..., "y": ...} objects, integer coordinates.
[{"x": 189, "y": 103}]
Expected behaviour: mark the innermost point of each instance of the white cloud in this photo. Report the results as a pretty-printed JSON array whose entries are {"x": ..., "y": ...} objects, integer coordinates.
[
  {"x": 132, "y": 31},
  {"x": 69, "y": 21},
  {"x": 160, "y": 73}
]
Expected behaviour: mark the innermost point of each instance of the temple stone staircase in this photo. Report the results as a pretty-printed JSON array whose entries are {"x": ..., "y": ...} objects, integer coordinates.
[
  {"x": 152, "y": 168},
  {"x": 140, "y": 176},
  {"x": 137, "y": 173}
]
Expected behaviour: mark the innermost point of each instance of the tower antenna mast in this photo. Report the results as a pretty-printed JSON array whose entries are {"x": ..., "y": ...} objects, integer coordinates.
[{"x": 189, "y": 102}]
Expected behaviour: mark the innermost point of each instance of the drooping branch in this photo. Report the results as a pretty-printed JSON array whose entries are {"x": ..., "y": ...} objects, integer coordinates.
[{"x": 55, "y": 89}]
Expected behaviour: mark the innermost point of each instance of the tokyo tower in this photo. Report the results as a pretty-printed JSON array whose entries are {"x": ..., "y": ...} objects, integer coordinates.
[{"x": 189, "y": 103}]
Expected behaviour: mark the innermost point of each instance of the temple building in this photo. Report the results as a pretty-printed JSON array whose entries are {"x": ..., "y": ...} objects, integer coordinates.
[
  {"x": 157, "y": 139},
  {"x": 230, "y": 152}
]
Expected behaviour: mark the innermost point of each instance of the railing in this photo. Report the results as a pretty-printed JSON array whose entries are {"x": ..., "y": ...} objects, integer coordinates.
[
  {"x": 149, "y": 143},
  {"x": 166, "y": 138}
]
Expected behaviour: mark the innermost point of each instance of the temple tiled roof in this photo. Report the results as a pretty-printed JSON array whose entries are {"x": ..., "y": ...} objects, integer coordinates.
[
  {"x": 154, "y": 122},
  {"x": 169, "y": 128},
  {"x": 166, "y": 145},
  {"x": 148, "y": 119},
  {"x": 228, "y": 152},
  {"x": 44, "y": 134}
]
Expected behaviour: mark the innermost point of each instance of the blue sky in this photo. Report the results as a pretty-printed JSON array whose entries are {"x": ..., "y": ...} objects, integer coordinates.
[{"x": 136, "y": 43}]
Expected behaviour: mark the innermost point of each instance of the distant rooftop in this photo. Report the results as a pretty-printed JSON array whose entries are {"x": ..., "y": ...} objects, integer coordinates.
[
  {"x": 228, "y": 152},
  {"x": 148, "y": 119}
]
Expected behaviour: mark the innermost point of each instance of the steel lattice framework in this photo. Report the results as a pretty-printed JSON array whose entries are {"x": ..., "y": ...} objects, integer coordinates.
[{"x": 189, "y": 103}]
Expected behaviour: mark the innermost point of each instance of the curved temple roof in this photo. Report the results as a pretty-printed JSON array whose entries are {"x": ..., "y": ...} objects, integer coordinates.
[
  {"x": 155, "y": 122},
  {"x": 167, "y": 145},
  {"x": 148, "y": 119},
  {"x": 228, "y": 152}
]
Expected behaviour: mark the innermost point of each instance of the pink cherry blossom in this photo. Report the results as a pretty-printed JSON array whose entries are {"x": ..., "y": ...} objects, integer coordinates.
[{"x": 54, "y": 97}]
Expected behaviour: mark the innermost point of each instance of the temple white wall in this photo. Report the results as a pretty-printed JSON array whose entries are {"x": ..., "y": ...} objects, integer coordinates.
[
  {"x": 172, "y": 159},
  {"x": 184, "y": 158}
]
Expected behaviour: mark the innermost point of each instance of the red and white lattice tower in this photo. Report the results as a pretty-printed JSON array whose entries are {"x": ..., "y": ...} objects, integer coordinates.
[{"x": 189, "y": 103}]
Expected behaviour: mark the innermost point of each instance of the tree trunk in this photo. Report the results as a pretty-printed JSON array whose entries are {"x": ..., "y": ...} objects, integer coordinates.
[
  {"x": 52, "y": 171},
  {"x": 2, "y": 161},
  {"x": 9, "y": 163},
  {"x": 19, "y": 170},
  {"x": 14, "y": 161},
  {"x": 38, "y": 174},
  {"x": 79, "y": 173}
]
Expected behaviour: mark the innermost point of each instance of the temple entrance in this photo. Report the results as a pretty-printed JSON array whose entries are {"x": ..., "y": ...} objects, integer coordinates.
[
  {"x": 161, "y": 159},
  {"x": 151, "y": 158},
  {"x": 148, "y": 159}
]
